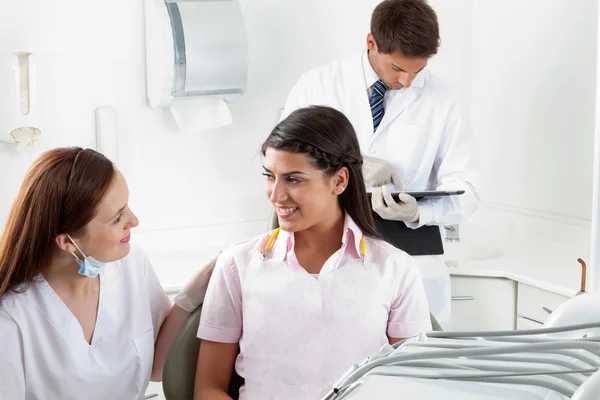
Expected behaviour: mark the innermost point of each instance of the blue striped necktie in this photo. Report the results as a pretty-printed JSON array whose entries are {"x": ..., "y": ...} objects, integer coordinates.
[{"x": 376, "y": 102}]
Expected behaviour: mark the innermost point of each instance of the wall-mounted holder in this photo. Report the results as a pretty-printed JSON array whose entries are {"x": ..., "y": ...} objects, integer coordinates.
[
  {"x": 17, "y": 126},
  {"x": 196, "y": 58},
  {"x": 24, "y": 137}
]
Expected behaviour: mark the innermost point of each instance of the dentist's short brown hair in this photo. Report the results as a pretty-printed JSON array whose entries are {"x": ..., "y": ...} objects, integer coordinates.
[{"x": 409, "y": 27}]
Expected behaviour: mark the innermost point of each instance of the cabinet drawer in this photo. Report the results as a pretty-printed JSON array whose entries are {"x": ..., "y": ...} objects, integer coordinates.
[
  {"x": 464, "y": 288},
  {"x": 482, "y": 304},
  {"x": 155, "y": 388},
  {"x": 534, "y": 303}
]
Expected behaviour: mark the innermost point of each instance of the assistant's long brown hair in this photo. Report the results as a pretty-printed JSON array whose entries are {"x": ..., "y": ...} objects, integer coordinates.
[{"x": 59, "y": 194}]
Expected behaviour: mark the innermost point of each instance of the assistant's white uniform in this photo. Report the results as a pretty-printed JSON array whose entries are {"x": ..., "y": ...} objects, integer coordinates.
[
  {"x": 44, "y": 355},
  {"x": 423, "y": 134}
]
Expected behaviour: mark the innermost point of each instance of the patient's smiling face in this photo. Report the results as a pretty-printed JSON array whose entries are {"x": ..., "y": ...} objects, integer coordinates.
[{"x": 302, "y": 194}]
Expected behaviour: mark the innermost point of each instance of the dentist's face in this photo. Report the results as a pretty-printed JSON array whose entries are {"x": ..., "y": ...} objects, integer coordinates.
[
  {"x": 301, "y": 193},
  {"x": 394, "y": 70},
  {"x": 107, "y": 234}
]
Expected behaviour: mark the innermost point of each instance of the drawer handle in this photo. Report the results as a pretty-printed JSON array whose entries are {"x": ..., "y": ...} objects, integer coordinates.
[
  {"x": 531, "y": 319},
  {"x": 549, "y": 311},
  {"x": 463, "y": 298}
]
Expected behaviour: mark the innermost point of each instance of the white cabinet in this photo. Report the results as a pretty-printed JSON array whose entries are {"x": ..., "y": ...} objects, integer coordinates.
[
  {"x": 483, "y": 304},
  {"x": 535, "y": 305},
  {"x": 172, "y": 294},
  {"x": 155, "y": 388}
]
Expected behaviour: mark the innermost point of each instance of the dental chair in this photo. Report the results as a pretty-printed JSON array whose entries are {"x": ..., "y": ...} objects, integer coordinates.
[{"x": 179, "y": 372}]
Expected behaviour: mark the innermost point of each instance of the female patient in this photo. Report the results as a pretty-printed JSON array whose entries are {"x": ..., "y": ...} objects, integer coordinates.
[
  {"x": 303, "y": 303},
  {"x": 79, "y": 312}
]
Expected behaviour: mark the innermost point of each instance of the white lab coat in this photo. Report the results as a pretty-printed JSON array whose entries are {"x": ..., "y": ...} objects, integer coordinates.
[
  {"x": 425, "y": 137},
  {"x": 44, "y": 356}
]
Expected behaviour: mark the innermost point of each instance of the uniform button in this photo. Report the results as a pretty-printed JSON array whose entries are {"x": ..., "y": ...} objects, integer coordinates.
[{"x": 372, "y": 150}]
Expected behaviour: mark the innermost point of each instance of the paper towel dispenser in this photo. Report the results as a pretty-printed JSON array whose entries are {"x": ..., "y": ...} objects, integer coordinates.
[{"x": 194, "y": 48}]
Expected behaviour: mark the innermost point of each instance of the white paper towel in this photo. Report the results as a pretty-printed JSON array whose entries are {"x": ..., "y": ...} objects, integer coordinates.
[{"x": 200, "y": 113}]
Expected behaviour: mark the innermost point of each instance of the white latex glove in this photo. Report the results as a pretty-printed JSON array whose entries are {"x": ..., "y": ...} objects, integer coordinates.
[
  {"x": 378, "y": 172},
  {"x": 192, "y": 295},
  {"x": 406, "y": 210}
]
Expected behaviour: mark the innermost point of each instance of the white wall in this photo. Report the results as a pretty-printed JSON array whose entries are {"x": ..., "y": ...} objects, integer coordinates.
[
  {"x": 526, "y": 68},
  {"x": 453, "y": 61},
  {"x": 533, "y": 94},
  {"x": 527, "y": 72},
  {"x": 191, "y": 180}
]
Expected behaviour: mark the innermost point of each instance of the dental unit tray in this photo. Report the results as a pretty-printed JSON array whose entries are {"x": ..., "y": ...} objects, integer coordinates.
[{"x": 555, "y": 363}]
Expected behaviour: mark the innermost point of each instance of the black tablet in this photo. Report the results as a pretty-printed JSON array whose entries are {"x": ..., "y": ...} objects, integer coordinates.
[{"x": 427, "y": 193}]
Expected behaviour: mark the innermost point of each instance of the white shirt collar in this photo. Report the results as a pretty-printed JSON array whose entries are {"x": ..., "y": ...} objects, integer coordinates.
[
  {"x": 370, "y": 75},
  {"x": 352, "y": 232},
  {"x": 352, "y": 235}
]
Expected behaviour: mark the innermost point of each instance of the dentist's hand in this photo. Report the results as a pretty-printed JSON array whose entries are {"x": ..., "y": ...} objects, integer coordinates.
[
  {"x": 192, "y": 295},
  {"x": 378, "y": 172},
  {"x": 406, "y": 210}
]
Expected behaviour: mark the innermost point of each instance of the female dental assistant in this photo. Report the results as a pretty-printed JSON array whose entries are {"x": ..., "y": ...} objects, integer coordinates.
[{"x": 79, "y": 309}]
